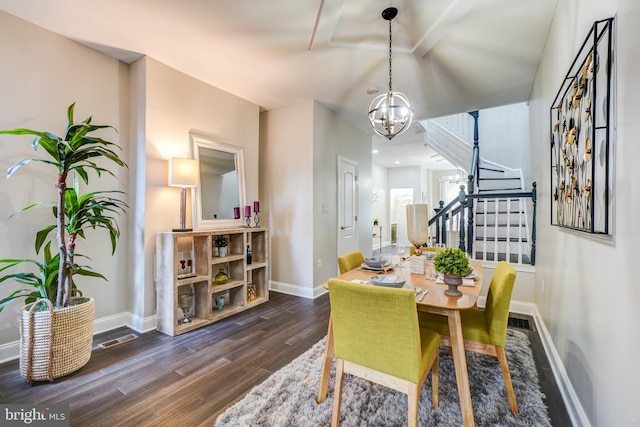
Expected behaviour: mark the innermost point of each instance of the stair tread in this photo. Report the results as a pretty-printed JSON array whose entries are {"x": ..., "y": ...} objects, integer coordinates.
[
  {"x": 478, "y": 212},
  {"x": 500, "y": 199},
  {"x": 499, "y": 178},
  {"x": 501, "y": 239},
  {"x": 502, "y": 189},
  {"x": 491, "y": 256}
]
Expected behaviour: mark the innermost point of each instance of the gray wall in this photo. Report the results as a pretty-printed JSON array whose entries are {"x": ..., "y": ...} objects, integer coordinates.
[{"x": 41, "y": 75}]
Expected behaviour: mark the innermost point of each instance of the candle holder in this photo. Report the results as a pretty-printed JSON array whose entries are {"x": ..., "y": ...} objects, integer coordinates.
[
  {"x": 247, "y": 215},
  {"x": 256, "y": 209}
]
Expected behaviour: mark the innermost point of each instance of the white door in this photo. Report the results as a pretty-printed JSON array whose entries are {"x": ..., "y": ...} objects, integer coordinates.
[{"x": 347, "y": 206}]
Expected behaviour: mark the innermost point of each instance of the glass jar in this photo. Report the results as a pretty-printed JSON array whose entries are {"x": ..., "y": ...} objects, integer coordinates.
[{"x": 221, "y": 278}]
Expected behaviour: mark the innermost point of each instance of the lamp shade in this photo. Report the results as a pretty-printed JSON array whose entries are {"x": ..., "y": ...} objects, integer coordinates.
[
  {"x": 418, "y": 225},
  {"x": 183, "y": 172}
]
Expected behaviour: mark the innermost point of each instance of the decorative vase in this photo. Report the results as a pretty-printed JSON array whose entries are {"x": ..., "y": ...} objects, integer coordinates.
[
  {"x": 222, "y": 251},
  {"x": 251, "y": 292},
  {"x": 221, "y": 278},
  {"x": 453, "y": 281},
  {"x": 219, "y": 303}
]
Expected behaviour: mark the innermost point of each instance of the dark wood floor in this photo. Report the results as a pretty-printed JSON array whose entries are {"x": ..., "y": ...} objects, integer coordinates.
[{"x": 157, "y": 380}]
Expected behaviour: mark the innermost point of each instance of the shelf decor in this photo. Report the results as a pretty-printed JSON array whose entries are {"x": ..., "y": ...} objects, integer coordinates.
[
  {"x": 221, "y": 286},
  {"x": 581, "y": 137}
]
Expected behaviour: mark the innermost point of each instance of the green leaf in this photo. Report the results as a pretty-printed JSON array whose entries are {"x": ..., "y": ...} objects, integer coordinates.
[
  {"x": 41, "y": 236},
  {"x": 17, "y": 166}
]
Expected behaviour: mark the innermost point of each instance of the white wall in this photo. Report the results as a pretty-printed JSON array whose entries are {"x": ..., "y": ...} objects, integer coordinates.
[
  {"x": 589, "y": 302},
  {"x": 299, "y": 177},
  {"x": 333, "y": 137},
  {"x": 381, "y": 204},
  {"x": 287, "y": 191},
  {"x": 41, "y": 75},
  {"x": 504, "y": 136}
]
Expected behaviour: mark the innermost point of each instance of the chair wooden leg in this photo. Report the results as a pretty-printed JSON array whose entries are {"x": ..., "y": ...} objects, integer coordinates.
[
  {"x": 337, "y": 393},
  {"x": 434, "y": 381},
  {"x": 413, "y": 393},
  {"x": 326, "y": 364},
  {"x": 502, "y": 358}
]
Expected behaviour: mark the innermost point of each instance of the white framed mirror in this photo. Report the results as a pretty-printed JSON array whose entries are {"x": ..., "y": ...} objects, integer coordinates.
[{"x": 221, "y": 183}]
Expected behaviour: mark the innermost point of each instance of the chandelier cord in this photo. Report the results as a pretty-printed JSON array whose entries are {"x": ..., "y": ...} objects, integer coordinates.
[{"x": 390, "y": 90}]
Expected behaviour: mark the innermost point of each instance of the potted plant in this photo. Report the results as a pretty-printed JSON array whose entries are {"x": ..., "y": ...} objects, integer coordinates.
[
  {"x": 50, "y": 293},
  {"x": 221, "y": 242},
  {"x": 453, "y": 264}
]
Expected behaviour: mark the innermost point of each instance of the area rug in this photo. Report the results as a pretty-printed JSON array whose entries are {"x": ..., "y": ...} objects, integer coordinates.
[{"x": 288, "y": 397}]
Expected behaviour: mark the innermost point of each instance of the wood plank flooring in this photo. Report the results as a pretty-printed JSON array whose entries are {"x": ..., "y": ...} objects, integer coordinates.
[{"x": 157, "y": 380}]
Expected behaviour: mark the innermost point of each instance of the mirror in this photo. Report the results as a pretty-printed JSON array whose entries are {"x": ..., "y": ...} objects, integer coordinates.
[{"x": 220, "y": 184}]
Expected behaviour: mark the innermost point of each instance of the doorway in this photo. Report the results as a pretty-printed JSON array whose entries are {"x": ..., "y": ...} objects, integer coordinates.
[{"x": 399, "y": 199}]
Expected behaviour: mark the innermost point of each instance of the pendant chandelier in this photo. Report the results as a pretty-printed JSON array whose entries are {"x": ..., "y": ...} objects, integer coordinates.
[{"x": 390, "y": 114}]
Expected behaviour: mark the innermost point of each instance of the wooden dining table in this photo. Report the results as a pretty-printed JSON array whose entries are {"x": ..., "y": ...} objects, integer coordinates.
[{"x": 435, "y": 302}]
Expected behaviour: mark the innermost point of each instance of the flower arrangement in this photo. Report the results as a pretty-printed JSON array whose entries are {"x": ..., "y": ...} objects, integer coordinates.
[
  {"x": 221, "y": 241},
  {"x": 452, "y": 261}
]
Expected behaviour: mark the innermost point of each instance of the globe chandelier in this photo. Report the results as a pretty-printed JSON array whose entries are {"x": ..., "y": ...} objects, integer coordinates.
[{"x": 390, "y": 114}]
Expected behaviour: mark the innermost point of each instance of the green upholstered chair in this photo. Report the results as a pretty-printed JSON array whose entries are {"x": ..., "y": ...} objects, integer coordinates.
[
  {"x": 376, "y": 336},
  {"x": 350, "y": 261},
  {"x": 485, "y": 331}
]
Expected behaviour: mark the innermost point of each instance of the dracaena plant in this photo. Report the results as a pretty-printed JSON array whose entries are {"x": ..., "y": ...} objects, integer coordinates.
[
  {"x": 76, "y": 154},
  {"x": 41, "y": 284}
]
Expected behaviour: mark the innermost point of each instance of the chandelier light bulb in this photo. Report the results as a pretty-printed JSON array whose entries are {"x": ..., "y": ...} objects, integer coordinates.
[{"x": 390, "y": 114}]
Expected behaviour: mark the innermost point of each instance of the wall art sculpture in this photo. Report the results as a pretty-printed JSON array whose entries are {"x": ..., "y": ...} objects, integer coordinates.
[{"x": 581, "y": 137}]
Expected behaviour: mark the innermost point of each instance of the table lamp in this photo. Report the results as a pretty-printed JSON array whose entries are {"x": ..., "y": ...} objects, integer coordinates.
[
  {"x": 418, "y": 226},
  {"x": 183, "y": 173}
]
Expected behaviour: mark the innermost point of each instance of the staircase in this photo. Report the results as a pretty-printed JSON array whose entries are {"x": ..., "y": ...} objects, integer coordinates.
[{"x": 500, "y": 225}]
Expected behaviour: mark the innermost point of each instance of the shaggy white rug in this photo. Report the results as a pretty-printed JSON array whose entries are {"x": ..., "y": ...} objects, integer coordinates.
[{"x": 288, "y": 397}]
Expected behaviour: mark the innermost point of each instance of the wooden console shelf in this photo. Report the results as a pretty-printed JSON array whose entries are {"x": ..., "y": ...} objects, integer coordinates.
[{"x": 187, "y": 263}]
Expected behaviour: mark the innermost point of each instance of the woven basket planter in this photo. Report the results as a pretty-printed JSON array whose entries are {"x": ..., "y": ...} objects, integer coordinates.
[{"x": 55, "y": 343}]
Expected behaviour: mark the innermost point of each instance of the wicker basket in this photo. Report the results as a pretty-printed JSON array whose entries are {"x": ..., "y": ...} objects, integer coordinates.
[{"x": 55, "y": 343}]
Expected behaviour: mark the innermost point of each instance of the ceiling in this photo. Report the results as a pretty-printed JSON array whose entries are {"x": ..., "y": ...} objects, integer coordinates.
[{"x": 449, "y": 56}]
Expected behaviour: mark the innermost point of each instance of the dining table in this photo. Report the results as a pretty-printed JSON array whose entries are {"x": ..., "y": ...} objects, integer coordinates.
[{"x": 435, "y": 301}]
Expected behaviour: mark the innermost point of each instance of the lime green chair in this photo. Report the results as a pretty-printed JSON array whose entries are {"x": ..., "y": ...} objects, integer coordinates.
[
  {"x": 485, "y": 331},
  {"x": 377, "y": 337},
  {"x": 350, "y": 261}
]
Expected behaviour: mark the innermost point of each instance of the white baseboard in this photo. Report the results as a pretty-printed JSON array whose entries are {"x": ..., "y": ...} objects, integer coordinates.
[
  {"x": 109, "y": 323},
  {"x": 11, "y": 350},
  {"x": 141, "y": 324},
  {"x": 295, "y": 290},
  {"x": 574, "y": 408}
]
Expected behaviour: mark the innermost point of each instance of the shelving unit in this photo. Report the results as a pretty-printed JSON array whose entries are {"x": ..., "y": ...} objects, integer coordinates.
[{"x": 174, "y": 247}]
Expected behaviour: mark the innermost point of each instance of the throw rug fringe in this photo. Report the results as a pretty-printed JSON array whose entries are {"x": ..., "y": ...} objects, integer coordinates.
[{"x": 288, "y": 397}]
